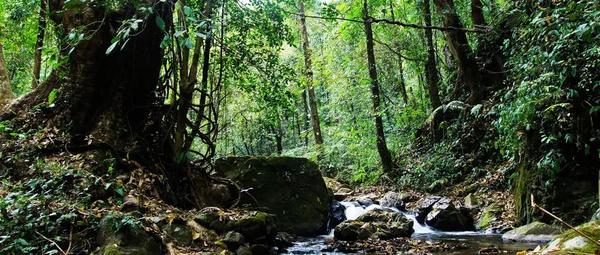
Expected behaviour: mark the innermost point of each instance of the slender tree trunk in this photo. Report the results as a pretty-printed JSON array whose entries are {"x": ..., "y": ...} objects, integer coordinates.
[
  {"x": 306, "y": 117},
  {"x": 477, "y": 13},
  {"x": 401, "y": 77},
  {"x": 431, "y": 72},
  {"x": 384, "y": 153},
  {"x": 468, "y": 72},
  {"x": 39, "y": 44},
  {"x": 312, "y": 100},
  {"x": 6, "y": 93}
]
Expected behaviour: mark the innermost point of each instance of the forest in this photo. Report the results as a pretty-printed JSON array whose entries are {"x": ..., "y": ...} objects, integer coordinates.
[{"x": 132, "y": 127}]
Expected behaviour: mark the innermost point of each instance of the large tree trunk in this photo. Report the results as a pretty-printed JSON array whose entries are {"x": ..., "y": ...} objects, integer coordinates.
[
  {"x": 431, "y": 72},
  {"x": 468, "y": 72},
  {"x": 312, "y": 100},
  {"x": 6, "y": 94},
  {"x": 39, "y": 44},
  {"x": 477, "y": 13},
  {"x": 384, "y": 153},
  {"x": 105, "y": 101}
]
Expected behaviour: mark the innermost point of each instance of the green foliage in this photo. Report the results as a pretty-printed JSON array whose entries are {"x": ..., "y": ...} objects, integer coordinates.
[
  {"x": 553, "y": 62},
  {"x": 439, "y": 169}
]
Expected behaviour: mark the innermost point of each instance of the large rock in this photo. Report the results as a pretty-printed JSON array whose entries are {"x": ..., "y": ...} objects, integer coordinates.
[
  {"x": 445, "y": 216},
  {"x": 291, "y": 188},
  {"x": 532, "y": 232},
  {"x": 375, "y": 223},
  {"x": 424, "y": 207}
]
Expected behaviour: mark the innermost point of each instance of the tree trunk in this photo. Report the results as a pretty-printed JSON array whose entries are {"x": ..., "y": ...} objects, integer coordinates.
[
  {"x": 401, "y": 77},
  {"x": 312, "y": 100},
  {"x": 39, "y": 44},
  {"x": 477, "y": 13},
  {"x": 384, "y": 153},
  {"x": 6, "y": 94},
  {"x": 306, "y": 117},
  {"x": 468, "y": 72},
  {"x": 102, "y": 100},
  {"x": 431, "y": 72}
]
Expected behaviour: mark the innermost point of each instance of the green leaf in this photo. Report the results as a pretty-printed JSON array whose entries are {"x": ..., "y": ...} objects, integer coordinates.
[
  {"x": 112, "y": 47},
  {"x": 52, "y": 96},
  {"x": 160, "y": 23}
]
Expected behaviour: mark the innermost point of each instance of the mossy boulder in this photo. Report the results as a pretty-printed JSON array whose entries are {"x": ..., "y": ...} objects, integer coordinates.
[
  {"x": 124, "y": 235},
  {"x": 375, "y": 224},
  {"x": 255, "y": 226},
  {"x": 532, "y": 232},
  {"x": 571, "y": 242},
  {"x": 291, "y": 188}
]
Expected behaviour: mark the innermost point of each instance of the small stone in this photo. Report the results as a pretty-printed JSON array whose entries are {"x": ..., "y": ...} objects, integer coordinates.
[
  {"x": 130, "y": 204},
  {"x": 471, "y": 201}
]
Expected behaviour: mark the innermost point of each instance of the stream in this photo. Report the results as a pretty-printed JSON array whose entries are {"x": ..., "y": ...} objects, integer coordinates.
[{"x": 473, "y": 241}]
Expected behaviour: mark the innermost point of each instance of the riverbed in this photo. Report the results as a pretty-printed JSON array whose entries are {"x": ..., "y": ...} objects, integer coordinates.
[{"x": 464, "y": 242}]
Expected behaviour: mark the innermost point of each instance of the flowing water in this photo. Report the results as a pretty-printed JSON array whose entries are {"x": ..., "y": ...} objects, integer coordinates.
[{"x": 475, "y": 241}]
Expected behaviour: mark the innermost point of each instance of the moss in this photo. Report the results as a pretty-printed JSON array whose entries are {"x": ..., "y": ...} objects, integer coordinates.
[{"x": 591, "y": 229}]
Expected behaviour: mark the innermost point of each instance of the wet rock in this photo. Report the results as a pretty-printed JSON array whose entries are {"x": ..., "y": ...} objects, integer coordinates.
[
  {"x": 375, "y": 223},
  {"x": 394, "y": 200},
  {"x": 445, "y": 216},
  {"x": 532, "y": 232},
  {"x": 380, "y": 216},
  {"x": 365, "y": 201},
  {"x": 337, "y": 214},
  {"x": 283, "y": 239},
  {"x": 233, "y": 240},
  {"x": 395, "y": 229},
  {"x": 117, "y": 238},
  {"x": 351, "y": 231},
  {"x": 291, "y": 188},
  {"x": 424, "y": 207}
]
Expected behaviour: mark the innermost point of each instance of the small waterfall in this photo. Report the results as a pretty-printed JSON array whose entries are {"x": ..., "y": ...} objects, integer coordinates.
[{"x": 354, "y": 210}]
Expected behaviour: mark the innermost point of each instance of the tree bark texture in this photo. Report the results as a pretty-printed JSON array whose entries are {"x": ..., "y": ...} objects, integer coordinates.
[
  {"x": 6, "y": 94},
  {"x": 468, "y": 72},
  {"x": 312, "y": 100},
  {"x": 39, "y": 44},
  {"x": 384, "y": 153},
  {"x": 431, "y": 72}
]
